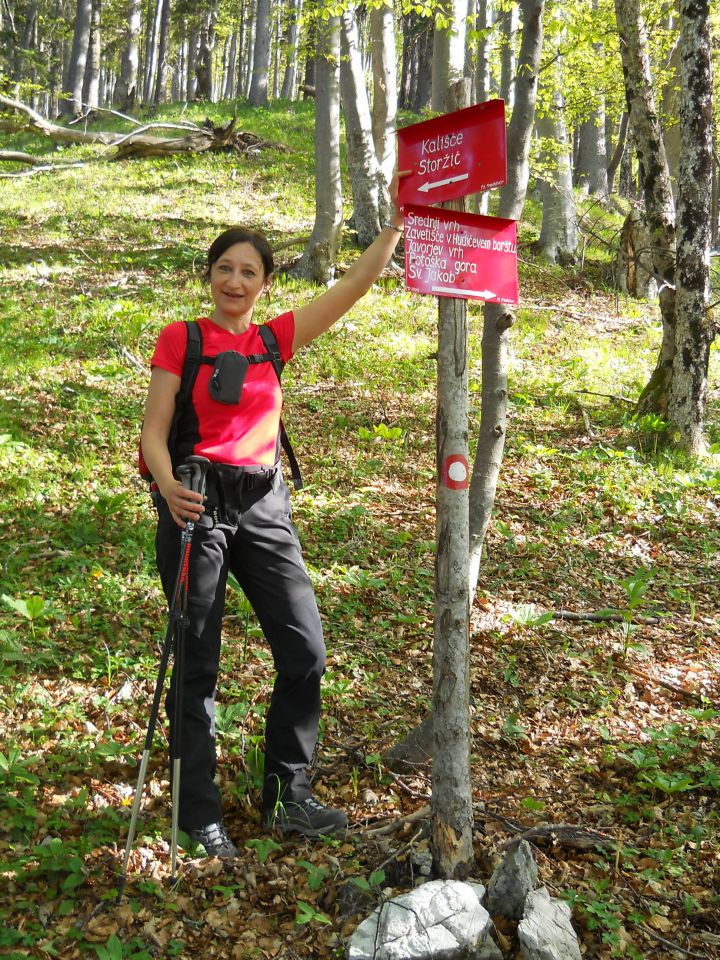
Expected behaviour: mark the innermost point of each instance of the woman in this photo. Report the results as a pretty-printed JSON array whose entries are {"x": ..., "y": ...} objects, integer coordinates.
[{"x": 244, "y": 527}]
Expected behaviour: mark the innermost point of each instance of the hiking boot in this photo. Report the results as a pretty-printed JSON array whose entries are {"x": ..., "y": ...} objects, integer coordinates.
[
  {"x": 215, "y": 840},
  {"x": 306, "y": 817}
]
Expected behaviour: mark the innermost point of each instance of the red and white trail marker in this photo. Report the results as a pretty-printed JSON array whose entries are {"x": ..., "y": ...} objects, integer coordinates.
[{"x": 453, "y": 254}]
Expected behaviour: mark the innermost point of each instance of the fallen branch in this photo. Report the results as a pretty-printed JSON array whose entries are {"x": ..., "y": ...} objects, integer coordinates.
[
  {"x": 604, "y": 616},
  {"x": 610, "y": 396},
  {"x": 16, "y": 156},
  {"x": 669, "y": 943},
  {"x": 420, "y": 814},
  {"x": 565, "y": 835},
  {"x": 667, "y": 684},
  {"x": 197, "y": 139}
]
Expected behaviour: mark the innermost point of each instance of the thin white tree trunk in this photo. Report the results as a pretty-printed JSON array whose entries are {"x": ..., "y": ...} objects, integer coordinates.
[
  {"x": 483, "y": 85},
  {"x": 508, "y": 21},
  {"x": 318, "y": 260},
  {"x": 448, "y": 62},
  {"x": 126, "y": 89},
  {"x": 558, "y": 236},
  {"x": 91, "y": 82},
  {"x": 694, "y": 327},
  {"x": 258, "y": 95},
  {"x": 365, "y": 174},
  {"x": 78, "y": 56},
  {"x": 151, "y": 51},
  {"x": 292, "y": 39},
  {"x": 384, "y": 108},
  {"x": 498, "y": 318},
  {"x": 656, "y": 190}
]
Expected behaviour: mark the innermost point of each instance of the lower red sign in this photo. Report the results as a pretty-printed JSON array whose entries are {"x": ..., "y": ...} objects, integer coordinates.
[{"x": 452, "y": 254}]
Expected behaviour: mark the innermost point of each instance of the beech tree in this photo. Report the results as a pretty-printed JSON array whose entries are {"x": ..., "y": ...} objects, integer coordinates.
[
  {"x": 694, "y": 327},
  {"x": 448, "y": 60},
  {"x": 498, "y": 318},
  {"x": 73, "y": 82},
  {"x": 318, "y": 259},
  {"x": 656, "y": 191},
  {"x": 366, "y": 180}
]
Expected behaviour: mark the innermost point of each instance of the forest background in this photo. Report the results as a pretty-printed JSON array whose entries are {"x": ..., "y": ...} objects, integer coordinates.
[{"x": 594, "y": 704}]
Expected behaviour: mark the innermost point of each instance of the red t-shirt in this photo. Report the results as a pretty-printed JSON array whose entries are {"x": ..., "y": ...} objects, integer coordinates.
[{"x": 246, "y": 433}]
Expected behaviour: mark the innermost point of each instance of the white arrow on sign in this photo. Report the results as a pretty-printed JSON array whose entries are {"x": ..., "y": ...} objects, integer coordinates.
[
  {"x": 482, "y": 294},
  {"x": 441, "y": 183}
]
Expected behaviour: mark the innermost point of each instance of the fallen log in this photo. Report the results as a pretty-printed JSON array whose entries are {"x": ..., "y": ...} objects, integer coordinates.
[{"x": 16, "y": 117}]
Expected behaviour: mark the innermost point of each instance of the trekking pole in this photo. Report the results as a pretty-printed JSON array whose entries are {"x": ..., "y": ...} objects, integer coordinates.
[{"x": 192, "y": 475}]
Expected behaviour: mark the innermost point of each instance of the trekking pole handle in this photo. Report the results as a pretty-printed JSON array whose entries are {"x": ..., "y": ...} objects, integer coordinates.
[{"x": 193, "y": 473}]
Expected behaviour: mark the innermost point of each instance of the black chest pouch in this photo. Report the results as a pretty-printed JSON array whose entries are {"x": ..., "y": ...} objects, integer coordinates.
[{"x": 228, "y": 376}]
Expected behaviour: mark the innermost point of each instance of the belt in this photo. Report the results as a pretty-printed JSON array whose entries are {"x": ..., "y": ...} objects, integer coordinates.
[{"x": 242, "y": 478}]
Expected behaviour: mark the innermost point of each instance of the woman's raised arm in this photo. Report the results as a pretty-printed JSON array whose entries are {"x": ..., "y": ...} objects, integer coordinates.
[{"x": 319, "y": 315}]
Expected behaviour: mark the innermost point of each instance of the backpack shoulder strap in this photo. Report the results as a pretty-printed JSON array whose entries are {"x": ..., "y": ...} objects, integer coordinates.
[
  {"x": 191, "y": 364},
  {"x": 271, "y": 345}
]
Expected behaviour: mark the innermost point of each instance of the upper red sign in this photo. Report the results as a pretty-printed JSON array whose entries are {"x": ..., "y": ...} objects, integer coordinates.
[
  {"x": 453, "y": 155},
  {"x": 452, "y": 254}
]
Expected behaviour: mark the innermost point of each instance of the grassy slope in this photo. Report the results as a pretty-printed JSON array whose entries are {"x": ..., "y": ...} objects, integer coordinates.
[{"x": 574, "y": 723}]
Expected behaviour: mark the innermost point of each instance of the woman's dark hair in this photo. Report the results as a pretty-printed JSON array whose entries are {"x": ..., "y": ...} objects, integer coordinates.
[{"x": 235, "y": 235}]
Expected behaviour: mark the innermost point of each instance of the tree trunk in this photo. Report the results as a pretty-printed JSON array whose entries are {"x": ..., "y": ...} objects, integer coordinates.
[
  {"x": 423, "y": 83},
  {"x": 448, "y": 60},
  {"x": 671, "y": 109},
  {"x": 483, "y": 81},
  {"x": 656, "y": 191},
  {"x": 365, "y": 174},
  {"x": 162, "y": 58},
  {"x": 126, "y": 89},
  {"x": 452, "y": 820},
  {"x": 231, "y": 68},
  {"x": 620, "y": 148},
  {"x": 152, "y": 38},
  {"x": 508, "y": 20},
  {"x": 591, "y": 168},
  {"x": 558, "y": 237},
  {"x": 258, "y": 95},
  {"x": 91, "y": 81},
  {"x": 384, "y": 109},
  {"x": 694, "y": 328},
  {"x": 498, "y": 318},
  {"x": 206, "y": 48},
  {"x": 318, "y": 260},
  {"x": 292, "y": 39},
  {"x": 193, "y": 50},
  {"x": 78, "y": 57}
]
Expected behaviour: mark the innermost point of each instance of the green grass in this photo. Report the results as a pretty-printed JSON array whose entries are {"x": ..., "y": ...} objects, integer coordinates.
[{"x": 94, "y": 262}]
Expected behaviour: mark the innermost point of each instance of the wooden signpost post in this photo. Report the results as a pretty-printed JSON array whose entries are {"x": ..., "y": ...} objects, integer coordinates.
[{"x": 455, "y": 256}]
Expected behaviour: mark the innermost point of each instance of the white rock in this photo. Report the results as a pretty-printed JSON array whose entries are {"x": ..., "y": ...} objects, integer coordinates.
[
  {"x": 440, "y": 920},
  {"x": 545, "y": 931}
]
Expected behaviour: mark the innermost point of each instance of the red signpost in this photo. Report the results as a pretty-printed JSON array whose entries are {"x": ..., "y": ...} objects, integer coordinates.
[
  {"x": 452, "y": 254},
  {"x": 453, "y": 155},
  {"x": 448, "y": 253}
]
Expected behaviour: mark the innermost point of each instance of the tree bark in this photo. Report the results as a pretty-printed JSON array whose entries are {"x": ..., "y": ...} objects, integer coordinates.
[
  {"x": 384, "y": 108},
  {"x": 292, "y": 40},
  {"x": 126, "y": 89},
  {"x": 484, "y": 23},
  {"x": 656, "y": 191},
  {"x": 162, "y": 57},
  {"x": 366, "y": 178},
  {"x": 91, "y": 81},
  {"x": 452, "y": 820},
  {"x": 558, "y": 236},
  {"x": 448, "y": 61},
  {"x": 318, "y": 260},
  {"x": 508, "y": 20},
  {"x": 152, "y": 36},
  {"x": 206, "y": 48},
  {"x": 620, "y": 148},
  {"x": 258, "y": 95},
  {"x": 694, "y": 328},
  {"x": 78, "y": 58},
  {"x": 498, "y": 318}
]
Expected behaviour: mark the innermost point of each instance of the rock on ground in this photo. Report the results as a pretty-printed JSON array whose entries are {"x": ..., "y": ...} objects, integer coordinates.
[
  {"x": 440, "y": 920},
  {"x": 512, "y": 881},
  {"x": 545, "y": 931}
]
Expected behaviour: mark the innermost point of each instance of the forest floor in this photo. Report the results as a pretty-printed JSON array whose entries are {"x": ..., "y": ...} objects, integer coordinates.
[{"x": 609, "y": 725}]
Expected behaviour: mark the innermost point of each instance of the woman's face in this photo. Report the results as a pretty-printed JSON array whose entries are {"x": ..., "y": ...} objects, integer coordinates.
[{"x": 237, "y": 280}]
